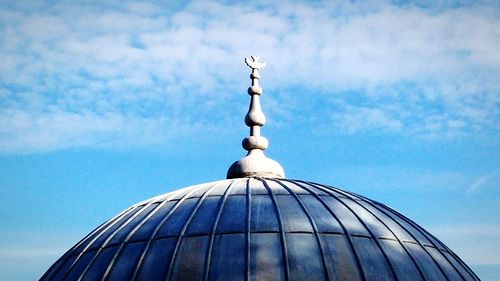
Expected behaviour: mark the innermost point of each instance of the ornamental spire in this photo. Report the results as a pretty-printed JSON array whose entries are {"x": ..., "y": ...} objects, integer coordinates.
[{"x": 255, "y": 164}]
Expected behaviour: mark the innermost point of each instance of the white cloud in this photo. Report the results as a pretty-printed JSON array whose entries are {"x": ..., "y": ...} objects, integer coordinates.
[
  {"x": 110, "y": 74},
  {"x": 355, "y": 119},
  {"x": 490, "y": 180}
]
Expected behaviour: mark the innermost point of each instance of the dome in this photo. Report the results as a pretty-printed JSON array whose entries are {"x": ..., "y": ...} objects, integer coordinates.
[
  {"x": 259, "y": 229},
  {"x": 258, "y": 225}
]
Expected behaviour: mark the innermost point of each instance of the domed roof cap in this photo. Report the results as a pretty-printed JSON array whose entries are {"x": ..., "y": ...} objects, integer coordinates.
[
  {"x": 257, "y": 225},
  {"x": 259, "y": 229}
]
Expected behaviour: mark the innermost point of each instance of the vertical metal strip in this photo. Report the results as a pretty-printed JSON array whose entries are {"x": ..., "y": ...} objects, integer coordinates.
[
  {"x": 397, "y": 238},
  {"x": 319, "y": 240},
  {"x": 281, "y": 230},
  {"x": 349, "y": 194},
  {"x": 132, "y": 232},
  {"x": 144, "y": 207},
  {"x": 222, "y": 203},
  {"x": 160, "y": 224},
  {"x": 368, "y": 202},
  {"x": 426, "y": 235},
  {"x": 53, "y": 269},
  {"x": 93, "y": 240},
  {"x": 111, "y": 221},
  {"x": 106, "y": 225},
  {"x": 249, "y": 219},
  {"x": 181, "y": 235},
  {"x": 464, "y": 266},
  {"x": 344, "y": 229},
  {"x": 384, "y": 254}
]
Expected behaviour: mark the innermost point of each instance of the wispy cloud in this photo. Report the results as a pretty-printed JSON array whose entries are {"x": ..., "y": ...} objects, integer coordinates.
[
  {"x": 480, "y": 243},
  {"x": 490, "y": 180},
  {"x": 82, "y": 74}
]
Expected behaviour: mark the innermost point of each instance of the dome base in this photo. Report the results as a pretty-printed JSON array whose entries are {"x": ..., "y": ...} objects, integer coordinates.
[{"x": 255, "y": 164}]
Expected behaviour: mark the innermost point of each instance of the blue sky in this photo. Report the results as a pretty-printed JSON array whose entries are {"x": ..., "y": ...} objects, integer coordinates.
[{"x": 102, "y": 106}]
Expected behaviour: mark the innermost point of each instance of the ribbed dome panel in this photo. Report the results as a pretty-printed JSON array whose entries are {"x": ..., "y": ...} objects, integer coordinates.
[{"x": 259, "y": 229}]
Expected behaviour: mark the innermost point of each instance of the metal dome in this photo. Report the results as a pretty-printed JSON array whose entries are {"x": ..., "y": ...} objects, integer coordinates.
[{"x": 259, "y": 229}]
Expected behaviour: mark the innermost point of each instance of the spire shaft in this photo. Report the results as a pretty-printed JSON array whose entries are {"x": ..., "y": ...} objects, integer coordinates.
[
  {"x": 255, "y": 163},
  {"x": 255, "y": 117}
]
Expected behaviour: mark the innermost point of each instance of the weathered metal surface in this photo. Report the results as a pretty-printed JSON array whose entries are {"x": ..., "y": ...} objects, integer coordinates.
[{"x": 259, "y": 229}]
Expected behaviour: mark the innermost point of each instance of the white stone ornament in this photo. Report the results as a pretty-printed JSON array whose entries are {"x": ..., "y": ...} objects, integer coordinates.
[
  {"x": 253, "y": 63},
  {"x": 255, "y": 164}
]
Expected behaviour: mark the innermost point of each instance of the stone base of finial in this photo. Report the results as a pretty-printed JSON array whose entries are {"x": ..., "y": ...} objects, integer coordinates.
[{"x": 255, "y": 164}]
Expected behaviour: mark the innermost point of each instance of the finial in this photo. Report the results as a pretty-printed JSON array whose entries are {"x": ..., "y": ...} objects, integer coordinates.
[
  {"x": 255, "y": 163},
  {"x": 254, "y": 64}
]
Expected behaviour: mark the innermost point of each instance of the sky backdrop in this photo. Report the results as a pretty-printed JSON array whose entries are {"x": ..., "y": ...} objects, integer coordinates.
[{"x": 105, "y": 105}]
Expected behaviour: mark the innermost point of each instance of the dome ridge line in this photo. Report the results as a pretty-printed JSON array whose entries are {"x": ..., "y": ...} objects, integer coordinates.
[
  {"x": 321, "y": 243},
  {"x": 147, "y": 247},
  {"x": 185, "y": 225},
  {"x": 281, "y": 230},
  {"x": 342, "y": 225},
  {"x": 210, "y": 247}
]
